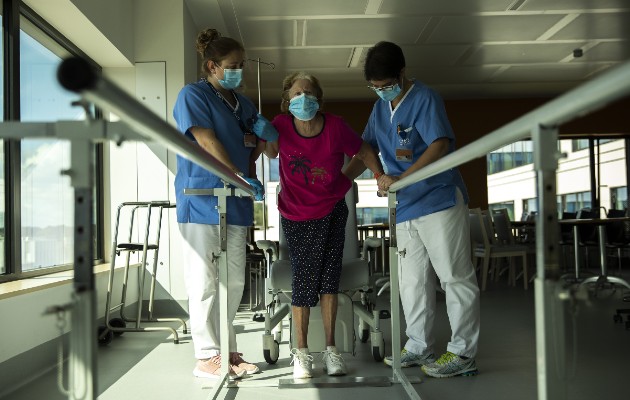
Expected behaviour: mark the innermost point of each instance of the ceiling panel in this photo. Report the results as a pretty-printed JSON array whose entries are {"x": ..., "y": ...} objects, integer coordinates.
[
  {"x": 442, "y": 6},
  {"x": 522, "y": 53},
  {"x": 262, "y": 8},
  {"x": 449, "y": 75},
  {"x": 304, "y": 58},
  {"x": 546, "y": 73},
  {"x": 597, "y": 26},
  {"x": 464, "y": 48},
  {"x": 433, "y": 54},
  {"x": 492, "y": 28},
  {"x": 277, "y": 34},
  {"x": 607, "y": 51},
  {"x": 540, "y": 5},
  {"x": 364, "y": 31}
]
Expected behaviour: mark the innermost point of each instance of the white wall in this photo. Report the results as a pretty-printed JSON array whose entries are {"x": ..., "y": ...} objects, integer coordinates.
[{"x": 23, "y": 314}]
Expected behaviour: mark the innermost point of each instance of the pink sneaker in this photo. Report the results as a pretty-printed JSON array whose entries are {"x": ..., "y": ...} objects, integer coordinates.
[
  {"x": 237, "y": 361},
  {"x": 211, "y": 368}
]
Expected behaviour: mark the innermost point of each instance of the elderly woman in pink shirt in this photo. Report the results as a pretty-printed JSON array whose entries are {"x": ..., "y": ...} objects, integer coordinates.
[{"x": 312, "y": 145}]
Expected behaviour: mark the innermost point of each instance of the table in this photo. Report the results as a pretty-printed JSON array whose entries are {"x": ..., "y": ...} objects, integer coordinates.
[{"x": 601, "y": 234}]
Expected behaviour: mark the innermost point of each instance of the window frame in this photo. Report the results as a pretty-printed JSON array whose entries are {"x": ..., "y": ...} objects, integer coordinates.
[{"x": 13, "y": 10}]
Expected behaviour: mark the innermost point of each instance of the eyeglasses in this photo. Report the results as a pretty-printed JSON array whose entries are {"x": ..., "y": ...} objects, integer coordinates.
[{"x": 387, "y": 88}]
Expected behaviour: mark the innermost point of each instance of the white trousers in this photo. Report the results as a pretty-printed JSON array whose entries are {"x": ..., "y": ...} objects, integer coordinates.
[
  {"x": 201, "y": 273},
  {"x": 439, "y": 243}
]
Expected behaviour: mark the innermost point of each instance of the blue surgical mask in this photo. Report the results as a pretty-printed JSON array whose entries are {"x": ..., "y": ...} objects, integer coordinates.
[
  {"x": 389, "y": 95},
  {"x": 231, "y": 78},
  {"x": 304, "y": 107}
]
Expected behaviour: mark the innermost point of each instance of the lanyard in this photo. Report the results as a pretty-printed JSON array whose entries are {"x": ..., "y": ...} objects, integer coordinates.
[{"x": 229, "y": 106}]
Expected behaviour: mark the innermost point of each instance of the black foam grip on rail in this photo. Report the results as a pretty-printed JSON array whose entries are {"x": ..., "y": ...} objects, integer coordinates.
[{"x": 76, "y": 74}]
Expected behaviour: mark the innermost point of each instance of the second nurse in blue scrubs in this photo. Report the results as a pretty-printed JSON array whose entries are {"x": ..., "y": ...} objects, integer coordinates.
[{"x": 213, "y": 115}]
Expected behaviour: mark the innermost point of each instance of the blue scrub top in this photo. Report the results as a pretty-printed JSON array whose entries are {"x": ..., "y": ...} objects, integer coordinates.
[
  {"x": 198, "y": 105},
  {"x": 418, "y": 121}
]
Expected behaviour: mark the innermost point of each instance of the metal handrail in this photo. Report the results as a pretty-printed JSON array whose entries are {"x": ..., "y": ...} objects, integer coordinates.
[
  {"x": 77, "y": 75},
  {"x": 580, "y": 101}
]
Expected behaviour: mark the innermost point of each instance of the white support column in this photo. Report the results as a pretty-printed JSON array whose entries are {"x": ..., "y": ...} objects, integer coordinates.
[{"x": 550, "y": 308}]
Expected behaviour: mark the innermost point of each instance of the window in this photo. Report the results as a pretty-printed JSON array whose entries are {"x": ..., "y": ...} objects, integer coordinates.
[
  {"x": 39, "y": 228},
  {"x": 47, "y": 196},
  {"x": 580, "y": 144},
  {"x": 3, "y": 269},
  {"x": 511, "y": 156},
  {"x": 619, "y": 198},
  {"x": 274, "y": 170},
  {"x": 574, "y": 202},
  {"x": 372, "y": 215}
]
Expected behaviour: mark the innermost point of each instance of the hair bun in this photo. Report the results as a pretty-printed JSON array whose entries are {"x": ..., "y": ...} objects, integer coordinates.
[{"x": 205, "y": 38}]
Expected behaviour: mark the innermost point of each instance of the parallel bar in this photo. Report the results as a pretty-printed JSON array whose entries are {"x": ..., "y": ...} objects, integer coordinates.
[
  {"x": 77, "y": 75},
  {"x": 586, "y": 98}
]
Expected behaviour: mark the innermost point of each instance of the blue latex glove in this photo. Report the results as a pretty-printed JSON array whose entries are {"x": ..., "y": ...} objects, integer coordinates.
[
  {"x": 264, "y": 130},
  {"x": 259, "y": 191}
]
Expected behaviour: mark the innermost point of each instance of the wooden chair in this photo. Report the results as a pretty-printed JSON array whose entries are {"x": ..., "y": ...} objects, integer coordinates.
[{"x": 485, "y": 246}]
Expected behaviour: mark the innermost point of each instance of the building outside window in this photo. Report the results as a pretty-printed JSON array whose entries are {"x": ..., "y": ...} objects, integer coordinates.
[
  {"x": 573, "y": 178},
  {"x": 619, "y": 198}
]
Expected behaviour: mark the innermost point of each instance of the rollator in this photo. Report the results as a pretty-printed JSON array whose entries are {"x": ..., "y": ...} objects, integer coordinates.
[
  {"x": 118, "y": 325},
  {"x": 356, "y": 296}
]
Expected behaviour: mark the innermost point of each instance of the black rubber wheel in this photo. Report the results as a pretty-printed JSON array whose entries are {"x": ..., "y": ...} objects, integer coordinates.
[
  {"x": 105, "y": 336},
  {"x": 269, "y": 357},
  {"x": 617, "y": 318},
  {"x": 117, "y": 323},
  {"x": 378, "y": 352}
]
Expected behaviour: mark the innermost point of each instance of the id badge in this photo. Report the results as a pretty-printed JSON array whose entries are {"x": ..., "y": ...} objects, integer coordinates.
[
  {"x": 249, "y": 140},
  {"x": 405, "y": 155}
]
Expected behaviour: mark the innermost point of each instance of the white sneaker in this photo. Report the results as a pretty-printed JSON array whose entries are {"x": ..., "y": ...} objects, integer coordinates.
[
  {"x": 302, "y": 363},
  {"x": 334, "y": 365}
]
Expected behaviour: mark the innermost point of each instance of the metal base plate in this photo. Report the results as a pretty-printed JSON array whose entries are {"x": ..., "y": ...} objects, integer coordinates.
[{"x": 339, "y": 382}]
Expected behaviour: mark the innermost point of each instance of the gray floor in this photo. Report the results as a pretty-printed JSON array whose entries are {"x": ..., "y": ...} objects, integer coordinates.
[{"x": 150, "y": 366}]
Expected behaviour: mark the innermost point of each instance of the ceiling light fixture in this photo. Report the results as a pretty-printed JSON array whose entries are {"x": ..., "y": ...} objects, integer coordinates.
[
  {"x": 516, "y": 5},
  {"x": 355, "y": 57}
]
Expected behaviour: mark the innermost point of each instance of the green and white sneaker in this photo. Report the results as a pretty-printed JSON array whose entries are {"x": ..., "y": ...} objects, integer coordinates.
[
  {"x": 409, "y": 359},
  {"x": 450, "y": 364}
]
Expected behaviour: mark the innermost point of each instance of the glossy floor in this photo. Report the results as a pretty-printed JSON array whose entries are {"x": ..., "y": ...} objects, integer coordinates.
[{"x": 150, "y": 366}]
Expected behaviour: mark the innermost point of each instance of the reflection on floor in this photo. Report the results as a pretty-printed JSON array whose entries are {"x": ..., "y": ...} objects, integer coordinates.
[{"x": 150, "y": 366}]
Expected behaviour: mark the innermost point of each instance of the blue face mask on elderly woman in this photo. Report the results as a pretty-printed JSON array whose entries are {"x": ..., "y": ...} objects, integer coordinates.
[
  {"x": 304, "y": 107},
  {"x": 231, "y": 78}
]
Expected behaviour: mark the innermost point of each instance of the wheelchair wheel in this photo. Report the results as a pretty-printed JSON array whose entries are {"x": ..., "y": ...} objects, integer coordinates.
[
  {"x": 105, "y": 336},
  {"x": 117, "y": 323}
]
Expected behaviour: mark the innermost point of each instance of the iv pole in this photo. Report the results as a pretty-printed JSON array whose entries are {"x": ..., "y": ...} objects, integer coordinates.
[{"x": 272, "y": 66}]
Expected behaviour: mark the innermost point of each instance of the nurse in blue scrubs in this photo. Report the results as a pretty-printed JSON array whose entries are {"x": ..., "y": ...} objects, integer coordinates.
[
  {"x": 213, "y": 115},
  {"x": 410, "y": 129}
]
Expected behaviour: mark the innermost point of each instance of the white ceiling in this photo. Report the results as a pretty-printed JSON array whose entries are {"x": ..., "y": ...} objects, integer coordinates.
[{"x": 462, "y": 48}]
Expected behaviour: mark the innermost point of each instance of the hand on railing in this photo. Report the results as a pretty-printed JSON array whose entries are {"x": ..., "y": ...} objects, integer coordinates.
[
  {"x": 384, "y": 182},
  {"x": 259, "y": 190}
]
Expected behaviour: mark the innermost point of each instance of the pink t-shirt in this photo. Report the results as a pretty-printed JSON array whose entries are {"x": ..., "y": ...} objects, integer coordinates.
[{"x": 310, "y": 167}]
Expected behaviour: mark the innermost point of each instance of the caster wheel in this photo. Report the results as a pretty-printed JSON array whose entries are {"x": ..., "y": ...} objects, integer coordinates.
[
  {"x": 271, "y": 355},
  {"x": 105, "y": 336},
  {"x": 117, "y": 323},
  {"x": 378, "y": 352}
]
